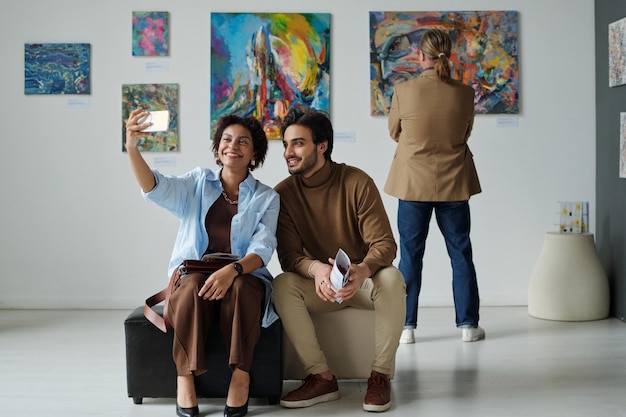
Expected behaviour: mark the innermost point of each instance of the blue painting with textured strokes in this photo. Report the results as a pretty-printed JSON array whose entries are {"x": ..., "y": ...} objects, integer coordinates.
[{"x": 57, "y": 68}]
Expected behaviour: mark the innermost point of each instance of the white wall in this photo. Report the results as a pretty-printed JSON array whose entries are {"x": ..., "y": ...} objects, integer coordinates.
[{"x": 76, "y": 233}]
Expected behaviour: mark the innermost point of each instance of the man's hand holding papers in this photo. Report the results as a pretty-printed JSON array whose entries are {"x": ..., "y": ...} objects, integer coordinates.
[{"x": 339, "y": 273}]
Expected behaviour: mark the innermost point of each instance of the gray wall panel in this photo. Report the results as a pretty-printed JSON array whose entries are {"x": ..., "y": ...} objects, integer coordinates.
[{"x": 610, "y": 189}]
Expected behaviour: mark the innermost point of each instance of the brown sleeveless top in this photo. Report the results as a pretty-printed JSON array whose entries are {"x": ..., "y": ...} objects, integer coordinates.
[{"x": 217, "y": 224}]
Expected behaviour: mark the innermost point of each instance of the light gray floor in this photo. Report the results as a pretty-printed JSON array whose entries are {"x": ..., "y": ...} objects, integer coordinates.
[{"x": 72, "y": 363}]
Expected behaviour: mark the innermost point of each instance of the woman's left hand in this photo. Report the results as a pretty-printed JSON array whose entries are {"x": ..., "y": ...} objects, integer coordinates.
[{"x": 218, "y": 283}]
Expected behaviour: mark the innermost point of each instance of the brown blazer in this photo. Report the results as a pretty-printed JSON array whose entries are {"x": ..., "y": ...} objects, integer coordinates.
[{"x": 432, "y": 121}]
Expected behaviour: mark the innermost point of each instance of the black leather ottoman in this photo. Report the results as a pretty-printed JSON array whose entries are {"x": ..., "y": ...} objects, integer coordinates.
[{"x": 150, "y": 369}]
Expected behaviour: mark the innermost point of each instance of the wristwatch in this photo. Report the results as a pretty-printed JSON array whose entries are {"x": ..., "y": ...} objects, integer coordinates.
[{"x": 238, "y": 268}]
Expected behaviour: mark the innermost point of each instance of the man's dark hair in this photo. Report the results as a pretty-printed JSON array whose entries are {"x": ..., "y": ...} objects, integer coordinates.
[{"x": 316, "y": 120}]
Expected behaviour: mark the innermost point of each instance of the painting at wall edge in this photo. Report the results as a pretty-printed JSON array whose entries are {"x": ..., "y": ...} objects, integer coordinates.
[
  {"x": 617, "y": 53},
  {"x": 57, "y": 68},
  {"x": 622, "y": 145},
  {"x": 152, "y": 97}
]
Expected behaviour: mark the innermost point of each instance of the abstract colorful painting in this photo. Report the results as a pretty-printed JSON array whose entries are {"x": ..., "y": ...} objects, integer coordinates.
[
  {"x": 57, "y": 68},
  {"x": 150, "y": 34},
  {"x": 262, "y": 64},
  {"x": 152, "y": 97},
  {"x": 484, "y": 55},
  {"x": 617, "y": 53},
  {"x": 622, "y": 145}
]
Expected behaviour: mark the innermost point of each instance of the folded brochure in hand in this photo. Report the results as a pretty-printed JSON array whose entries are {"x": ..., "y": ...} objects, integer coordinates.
[{"x": 340, "y": 271}]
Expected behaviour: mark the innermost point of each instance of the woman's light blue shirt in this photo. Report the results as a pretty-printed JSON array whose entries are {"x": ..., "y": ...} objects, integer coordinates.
[{"x": 252, "y": 230}]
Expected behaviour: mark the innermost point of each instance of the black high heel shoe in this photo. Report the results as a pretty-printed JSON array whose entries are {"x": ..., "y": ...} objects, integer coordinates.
[
  {"x": 236, "y": 411},
  {"x": 187, "y": 412}
]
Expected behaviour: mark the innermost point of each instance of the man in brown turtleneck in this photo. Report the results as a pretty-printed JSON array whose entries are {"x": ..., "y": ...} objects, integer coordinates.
[{"x": 326, "y": 206}]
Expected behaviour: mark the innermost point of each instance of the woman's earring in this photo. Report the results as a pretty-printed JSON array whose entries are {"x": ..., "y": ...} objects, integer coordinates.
[{"x": 253, "y": 162}]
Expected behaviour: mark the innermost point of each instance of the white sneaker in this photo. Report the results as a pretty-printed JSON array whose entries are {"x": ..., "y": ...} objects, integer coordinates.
[
  {"x": 408, "y": 336},
  {"x": 473, "y": 334}
]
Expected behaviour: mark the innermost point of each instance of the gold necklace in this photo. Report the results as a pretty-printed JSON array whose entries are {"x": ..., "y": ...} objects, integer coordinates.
[{"x": 228, "y": 200}]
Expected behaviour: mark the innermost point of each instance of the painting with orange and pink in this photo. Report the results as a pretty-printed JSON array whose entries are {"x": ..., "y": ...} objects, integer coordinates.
[
  {"x": 262, "y": 64},
  {"x": 484, "y": 55},
  {"x": 150, "y": 34}
]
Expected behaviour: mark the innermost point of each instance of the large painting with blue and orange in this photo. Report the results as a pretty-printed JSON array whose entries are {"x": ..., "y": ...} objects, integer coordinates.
[
  {"x": 484, "y": 55},
  {"x": 262, "y": 64}
]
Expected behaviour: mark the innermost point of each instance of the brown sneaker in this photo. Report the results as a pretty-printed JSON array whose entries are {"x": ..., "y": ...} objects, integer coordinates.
[
  {"x": 314, "y": 390},
  {"x": 378, "y": 396}
]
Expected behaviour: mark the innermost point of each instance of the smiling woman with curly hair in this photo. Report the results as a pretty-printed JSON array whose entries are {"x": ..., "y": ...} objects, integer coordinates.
[{"x": 224, "y": 210}]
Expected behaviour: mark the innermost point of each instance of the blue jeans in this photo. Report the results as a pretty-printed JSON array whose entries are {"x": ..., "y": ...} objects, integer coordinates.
[{"x": 453, "y": 218}]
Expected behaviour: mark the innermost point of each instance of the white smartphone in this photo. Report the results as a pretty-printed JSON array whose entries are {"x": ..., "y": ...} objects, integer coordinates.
[{"x": 160, "y": 121}]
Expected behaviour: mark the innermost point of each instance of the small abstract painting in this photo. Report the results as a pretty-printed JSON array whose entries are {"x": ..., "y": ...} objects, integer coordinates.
[
  {"x": 617, "y": 53},
  {"x": 151, "y": 34},
  {"x": 262, "y": 64},
  {"x": 152, "y": 97},
  {"x": 484, "y": 55},
  {"x": 622, "y": 145},
  {"x": 574, "y": 217},
  {"x": 57, "y": 68}
]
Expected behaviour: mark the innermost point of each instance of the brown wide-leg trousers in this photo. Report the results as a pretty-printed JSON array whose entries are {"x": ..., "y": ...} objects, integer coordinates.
[{"x": 238, "y": 315}]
